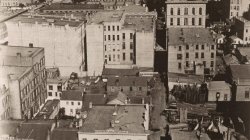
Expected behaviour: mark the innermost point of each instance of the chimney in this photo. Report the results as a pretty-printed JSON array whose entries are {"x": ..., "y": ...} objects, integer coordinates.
[{"x": 90, "y": 105}]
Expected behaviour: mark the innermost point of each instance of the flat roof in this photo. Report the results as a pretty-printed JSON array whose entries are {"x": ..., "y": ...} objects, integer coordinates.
[
  {"x": 14, "y": 50},
  {"x": 70, "y": 6},
  {"x": 12, "y": 72},
  {"x": 120, "y": 72},
  {"x": 47, "y": 20},
  {"x": 180, "y": 36},
  {"x": 74, "y": 95},
  {"x": 139, "y": 24},
  {"x": 184, "y": 78},
  {"x": 47, "y": 109},
  {"x": 127, "y": 81},
  {"x": 106, "y": 16},
  {"x": 64, "y": 134},
  {"x": 218, "y": 85},
  {"x": 186, "y": 1},
  {"x": 128, "y": 118},
  {"x": 240, "y": 72}
]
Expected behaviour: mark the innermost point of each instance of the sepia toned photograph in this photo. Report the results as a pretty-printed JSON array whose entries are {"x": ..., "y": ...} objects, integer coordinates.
[{"x": 124, "y": 69}]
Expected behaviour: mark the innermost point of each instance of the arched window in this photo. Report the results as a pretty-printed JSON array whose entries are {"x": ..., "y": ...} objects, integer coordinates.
[{"x": 200, "y": 11}]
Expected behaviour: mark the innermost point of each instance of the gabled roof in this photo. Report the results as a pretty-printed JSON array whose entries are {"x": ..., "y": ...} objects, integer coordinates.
[
  {"x": 95, "y": 99},
  {"x": 241, "y": 73},
  {"x": 218, "y": 85},
  {"x": 118, "y": 96},
  {"x": 127, "y": 81},
  {"x": 74, "y": 95}
]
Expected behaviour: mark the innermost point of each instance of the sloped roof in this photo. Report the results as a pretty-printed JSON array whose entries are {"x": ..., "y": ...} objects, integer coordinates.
[
  {"x": 240, "y": 73},
  {"x": 96, "y": 99},
  {"x": 64, "y": 134},
  {"x": 218, "y": 85},
  {"x": 120, "y": 72},
  {"x": 74, "y": 95},
  {"x": 118, "y": 96},
  {"x": 127, "y": 81}
]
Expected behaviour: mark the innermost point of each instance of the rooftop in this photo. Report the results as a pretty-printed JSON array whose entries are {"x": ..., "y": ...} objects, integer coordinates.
[
  {"x": 127, "y": 81},
  {"x": 240, "y": 73},
  {"x": 6, "y": 14},
  {"x": 242, "y": 19},
  {"x": 95, "y": 99},
  {"x": 64, "y": 134},
  {"x": 12, "y": 72},
  {"x": 230, "y": 59},
  {"x": 106, "y": 16},
  {"x": 130, "y": 99},
  {"x": 67, "y": 6},
  {"x": 139, "y": 24},
  {"x": 9, "y": 127},
  {"x": 186, "y": 1},
  {"x": 48, "y": 20},
  {"x": 47, "y": 109},
  {"x": 133, "y": 9},
  {"x": 127, "y": 119},
  {"x": 245, "y": 51},
  {"x": 74, "y": 95},
  {"x": 6, "y": 51},
  {"x": 180, "y": 36},
  {"x": 185, "y": 78},
  {"x": 120, "y": 72},
  {"x": 218, "y": 85}
]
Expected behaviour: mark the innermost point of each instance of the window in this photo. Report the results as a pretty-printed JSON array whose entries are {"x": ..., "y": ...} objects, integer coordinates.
[
  {"x": 200, "y": 21},
  {"x": 179, "y": 48},
  {"x": 123, "y": 45},
  {"x": 84, "y": 138},
  {"x": 187, "y": 64},
  {"x": 200, "y": 11},
  {"x": 202, "y": 55},
  {"x": 104, "y": 37},
  {"x": 140, "y": 88},
  {"x": 118, "y": 28},
  {"x": 171, "y": 11},
  {"x": 179, "y": 65},
  {"x": 187, "y": 47},
  {"x": 171, "y": 21},
  {"x": 108, "y": 37},
  {"x": 131, "y": 45},
  {"x": 246, "y": 30},
  {"x": 187, "y": 55},
  {"x": 247, "y": 94},
  {"x": 130, "y": 89},
  {"x": 117, "y": 37},
  {"x": 95, "y": 139},
  {"x": 114, "y": 37},
  {"x": 197, "y": 47},
  {"x": 225, "y": 97},
  {"x": 193, "y": 11},
  {"x": 212, "y": 64},
  {"x": 123, "y": 35},
  {"x": 196, "y": 55},
  {"x": 212, "y": 47},
  {"x": 179, "y": 56},
  {"x": 185, "y": 21},
  {"x": 108, "y": 28},
  {"x": 105, "y": 47},
  {"x": 186, "y": 11},
  {"x": 67, "y": 103},
  {"x": 131, "y": 56},
  {"x": 123, "y": 56},
  {"x": 104, "y": 28},
  {"x": 31, "y": 45},
  {"x": 50, "y": 87},
  {"x": 113, "y": 57},
  {"x": 212, "y": 55},
  {"x": 113, "y": 28},
  {"x": 178, "y": 21},
  {"x": 193, "y": 21},
  {"x": 56, "y": 94},
  {"x": 178, "y": 11},
  {"x": 72, "y": 103},
  {"x": 79, "y": 103},
  {"x": 109, "y": 57},
  {"x": 50, "y": 93},
  {"x": 202, "y": 47},
  {"x": 131, "y": 35},
  {"x": 204, "y": 64}
]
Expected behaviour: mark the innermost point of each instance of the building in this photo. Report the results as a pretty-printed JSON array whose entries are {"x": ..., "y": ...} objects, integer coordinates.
[
  {"x": 242, "y": 29},
  {"x": 120, "y": 39},
  {"x": 14, "y": 3},
  {"x": 4, "y": 103},
  {"x": 191, "y": 51},
  {"x": 219, "y": 91},
  {"x": 235, "y": 8},
  {"x": 185, "y": 13},
  {"x": 240, "y": 80},
  {"x": 24, "y": 70},
  {"x": 62, "y": 38},
  {"x": 71, "y": 101},
  {"x": 116, "y": 122},
  {"x": 128, "y": 85},
  {"x": 235, "y": 40}
]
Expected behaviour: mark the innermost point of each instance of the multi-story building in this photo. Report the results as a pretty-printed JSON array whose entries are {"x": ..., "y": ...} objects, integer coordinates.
[
  {"x": 23, "y": 68},
  {"x": 10, "y": 3},
  {"x": 185, "y": 13},
  {"x": 242, "y": 29},
  {"x": 3, "y": 33},
  {"x": 61, "y": 37},
  {"x": 4, "y": 102},
  {"x": 71, "y": 101},
  {"x": 114, "y": 122},
  {"x": 191, "y": 51},
  {"x": 120, "y": 39},
  {"x": 235, "y": 8}
]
